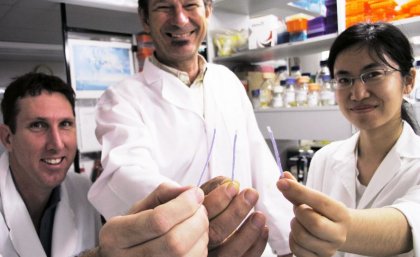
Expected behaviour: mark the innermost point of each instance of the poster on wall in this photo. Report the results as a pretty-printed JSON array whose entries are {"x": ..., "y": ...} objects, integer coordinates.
[{"x": 96, "y": 65}]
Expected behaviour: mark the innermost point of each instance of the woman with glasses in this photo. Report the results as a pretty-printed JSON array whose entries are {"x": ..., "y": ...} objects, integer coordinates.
[{"x": 366, "y": 200}]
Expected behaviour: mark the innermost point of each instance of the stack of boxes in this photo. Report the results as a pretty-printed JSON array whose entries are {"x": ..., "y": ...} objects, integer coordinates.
[
  {"x": 379, "y": 10},
  {"x": 297, "y": 26},
  {"x": 409, "y": 9},
  {"x": 324, "y": 25}
]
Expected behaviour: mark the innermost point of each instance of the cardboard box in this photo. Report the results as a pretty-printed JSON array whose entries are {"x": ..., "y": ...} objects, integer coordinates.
[{"x": 263, "y": 31}]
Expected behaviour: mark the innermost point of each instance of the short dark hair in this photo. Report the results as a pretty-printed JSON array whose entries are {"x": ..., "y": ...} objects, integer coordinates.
[
  {"x": 143, "y": 5},
  {"x": 381, "y": 39},
  {"x": 31, "y": 84}
]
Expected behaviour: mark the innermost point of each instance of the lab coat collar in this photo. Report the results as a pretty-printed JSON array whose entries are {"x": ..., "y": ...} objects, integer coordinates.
[
  {"x": 17, "y": 216},
  {"x": 23, "y": 235},
  {"x": 65, "y": 234},
  {"x": 408, "y": 144},
  {"x": 171, "y": 88},
  {"x": 345, "y": 167},
  {"x": 405, "y": 147}
]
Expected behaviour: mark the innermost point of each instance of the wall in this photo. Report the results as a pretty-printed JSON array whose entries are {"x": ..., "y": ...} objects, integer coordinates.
[{"x": 10, "y": 69}]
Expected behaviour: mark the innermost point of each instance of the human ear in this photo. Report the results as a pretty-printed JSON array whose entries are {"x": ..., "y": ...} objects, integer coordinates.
[
  {"x": 5, "y": 136},
  {"x": 209, "y": 9},
  {"x": 409, "y": 81}
]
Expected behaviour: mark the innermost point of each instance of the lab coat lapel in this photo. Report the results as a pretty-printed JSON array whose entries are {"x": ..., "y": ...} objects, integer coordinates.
[
  {"x": 65, "y": 234},
  {"x": 22, "y": 231},
  {"x": 171, "y": 88},
  {"x": 345, "y": 166},
  {"x": 405, "y": 147},
  {"x": 383, "y": 174},
  {"x": 212, "y": 119},
  {"x": 216, "y": 110}
]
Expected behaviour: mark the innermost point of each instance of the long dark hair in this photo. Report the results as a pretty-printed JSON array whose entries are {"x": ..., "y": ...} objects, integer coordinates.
[{"x": 381, "y": 39}]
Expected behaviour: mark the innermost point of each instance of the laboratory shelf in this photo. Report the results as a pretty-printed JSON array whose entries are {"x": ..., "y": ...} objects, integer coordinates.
[
  {"x": 311, "y": 123},
  {"x": 254, "y": 8},
  {"x": 309, "y": 46}
]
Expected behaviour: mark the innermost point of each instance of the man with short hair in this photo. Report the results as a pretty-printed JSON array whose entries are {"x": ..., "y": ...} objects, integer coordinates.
[
  {"x": 44, "y": 209},
  {"x": 177, "y": 121}
]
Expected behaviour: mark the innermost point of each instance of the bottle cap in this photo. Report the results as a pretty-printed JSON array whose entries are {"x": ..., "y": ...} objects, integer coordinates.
[
  {"x": 255, "y": 93},
  {"x": 290, "y": 80},
  {"x": 314, "y": 87},
  {"x": 295, "y": 68}
]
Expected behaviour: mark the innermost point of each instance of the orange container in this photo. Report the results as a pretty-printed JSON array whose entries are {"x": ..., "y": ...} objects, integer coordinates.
[
  {"x": 410, "y": 4},
  {"x": 297, "y": 25},
  {"x": 351, "y": 20},
  {"x": 355, "y": 8},
  {"x": 415, "y": 10}
]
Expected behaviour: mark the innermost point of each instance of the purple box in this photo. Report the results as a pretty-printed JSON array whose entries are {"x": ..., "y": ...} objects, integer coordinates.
[{"x": 316, "y": 25}]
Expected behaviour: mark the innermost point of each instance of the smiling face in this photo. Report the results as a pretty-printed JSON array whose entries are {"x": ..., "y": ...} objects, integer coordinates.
[
  {"x": 44, "y": 145},
  {"x": 177, "y": 27},
  {"x": 369, "y": 106}
]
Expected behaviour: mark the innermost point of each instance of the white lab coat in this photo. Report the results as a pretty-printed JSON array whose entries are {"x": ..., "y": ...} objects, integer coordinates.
[
  {"x": 150, "y": 133},
  {"x": 395, "y": 183},
  {"x": 76, "y": 223}
]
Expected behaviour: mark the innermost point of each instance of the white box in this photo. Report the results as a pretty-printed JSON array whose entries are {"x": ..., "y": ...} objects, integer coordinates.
[{"x": 263, "y": 31}]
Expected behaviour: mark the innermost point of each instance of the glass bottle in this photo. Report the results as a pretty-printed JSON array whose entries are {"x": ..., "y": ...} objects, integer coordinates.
[
  {"x": 313, "y": 94},
  {"x": 327, "y": 92},
  {"x": 323, "y": 70},
  {"x": 281, "y": 74},
  {"x": 278, "y": 95},
  {"x": 266, "y": 89},
  {"x": 295, "y": 71},
  {"x": 289, "y": 93},
  {"x": 302, "y": 91}
]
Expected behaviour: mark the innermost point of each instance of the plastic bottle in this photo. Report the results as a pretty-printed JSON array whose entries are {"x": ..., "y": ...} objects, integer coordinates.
[
  {"x": 278, "y": 95},
  {"x": 302, "y": 91},
  {"x": 323, "y": 70},
  {"x": 289, "y": 93},
  {"x": 327, "y": 92},
  {"x": 295, "y": 72},
  {"x": 266, "y": 89},
  {"x": 313, "y": 95}
]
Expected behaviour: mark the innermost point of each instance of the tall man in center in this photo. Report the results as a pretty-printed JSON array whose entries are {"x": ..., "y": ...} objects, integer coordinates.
[{"x": 162, "y": 125}]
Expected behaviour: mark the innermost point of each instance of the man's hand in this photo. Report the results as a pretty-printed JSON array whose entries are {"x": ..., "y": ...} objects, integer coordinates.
[
  {"x": 171, "y": 221},
  {"x": 320, "y": 225},
  {"x": 227, "y": 208}
]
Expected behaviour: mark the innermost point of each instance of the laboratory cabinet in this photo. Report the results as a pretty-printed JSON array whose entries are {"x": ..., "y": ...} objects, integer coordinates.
[
  {"x": 235, "y": 14},
  {"x": 317, "y": 123},
  {"x": 297, "y": 123}
]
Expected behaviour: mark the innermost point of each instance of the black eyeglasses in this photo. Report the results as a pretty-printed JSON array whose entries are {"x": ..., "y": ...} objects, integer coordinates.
[{"x": 368, "y": 78}]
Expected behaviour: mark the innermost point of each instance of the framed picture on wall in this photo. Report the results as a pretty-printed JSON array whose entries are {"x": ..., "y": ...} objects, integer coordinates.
[{"x": 95, "y": 65}]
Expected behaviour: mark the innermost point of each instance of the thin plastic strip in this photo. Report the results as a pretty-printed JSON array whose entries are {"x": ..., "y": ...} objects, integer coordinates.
[
  {"x": 276, "y": 151},
  {"x": 234, "y": 155},
  {"x": 208, "y": 158}
]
